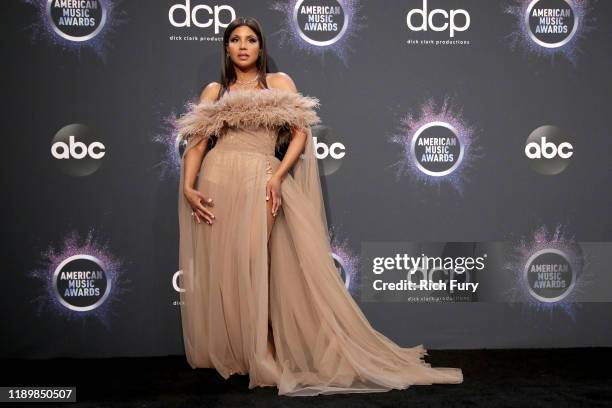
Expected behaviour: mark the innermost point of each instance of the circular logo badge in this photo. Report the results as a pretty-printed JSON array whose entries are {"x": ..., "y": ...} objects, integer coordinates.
[
  {"x": 81, "y": 283},
  {"x": 320, "y": 22},
  {"x": 329, "y": 150},
  {"x": 549, "y": 275},
  {"x": 548, "y": 150},
  {"x": 76, "y": 20},
  {"x": 436, "y": 149},
  {"x": 342, "y": 271},
  {"x": 77, "y": 150},
  {"x": 551, "y": 23}
]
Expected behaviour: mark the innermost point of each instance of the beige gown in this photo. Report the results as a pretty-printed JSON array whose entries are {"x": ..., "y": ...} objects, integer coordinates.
[{"x": 289, "y": 321}]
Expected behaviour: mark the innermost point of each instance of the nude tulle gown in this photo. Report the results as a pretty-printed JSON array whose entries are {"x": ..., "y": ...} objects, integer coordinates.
[{"x": 293, "y": 325}]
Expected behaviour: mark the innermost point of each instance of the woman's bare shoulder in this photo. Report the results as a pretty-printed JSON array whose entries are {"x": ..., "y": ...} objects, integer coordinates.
[
  {"x": 210, "y": 92},
  {"x": 281, "y": 80}
]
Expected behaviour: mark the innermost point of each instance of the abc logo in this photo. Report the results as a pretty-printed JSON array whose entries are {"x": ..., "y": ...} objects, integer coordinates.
[
  {"x": 445, "y": 21},
  {"x": 334, "y": 150},
  {"x": 77, "y": 150},
  {"x": 328, "y": 149},
  {"x": 548, "y": 150},
  {"x": 201, "y": 16}
]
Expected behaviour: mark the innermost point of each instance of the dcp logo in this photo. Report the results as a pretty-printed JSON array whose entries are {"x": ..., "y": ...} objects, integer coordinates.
[
  {"x": 548, "y": 150},
  {"x": 438, "y": 19},
  {"x": 201, "y": 15}
]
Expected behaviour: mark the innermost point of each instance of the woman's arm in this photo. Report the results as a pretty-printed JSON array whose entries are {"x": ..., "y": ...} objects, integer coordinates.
[
  {"x": 296, "y": 146},
  {"x": 193, "y": 157},
  {"x": 193, "y": 161}
]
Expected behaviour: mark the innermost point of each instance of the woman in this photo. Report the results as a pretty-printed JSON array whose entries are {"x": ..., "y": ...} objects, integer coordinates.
[{"x": 261, "y": 292}]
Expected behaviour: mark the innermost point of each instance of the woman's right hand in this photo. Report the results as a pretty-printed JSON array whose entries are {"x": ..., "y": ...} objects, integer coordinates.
[{"x": 198, "y": 202}]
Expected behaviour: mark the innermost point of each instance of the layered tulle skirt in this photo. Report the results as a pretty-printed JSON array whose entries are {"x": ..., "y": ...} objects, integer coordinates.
[{"x": 278, "y": 310}]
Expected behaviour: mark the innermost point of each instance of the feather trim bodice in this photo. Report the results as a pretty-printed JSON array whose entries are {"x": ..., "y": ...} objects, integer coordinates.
[{"x": 270, "y": 108}]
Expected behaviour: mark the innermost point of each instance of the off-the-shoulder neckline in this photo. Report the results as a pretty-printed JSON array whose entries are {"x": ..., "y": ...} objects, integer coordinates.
[
  {"x": 257, "y": 90},
  {"x": 266, "y": 91}
]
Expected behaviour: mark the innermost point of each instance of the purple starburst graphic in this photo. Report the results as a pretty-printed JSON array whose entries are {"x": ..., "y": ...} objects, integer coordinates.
[
  {"x": 446, "y": 115},
  {"x": 345, "y": 256},
  {"x": 44, "y": 28},
  {"x": 545, "y": 241},
  {"x": 522, "y": 37},
  {"x": 52, "y": 258},
  {"x": 168, "y": 137},
  {"x": 291, "y": 33}
]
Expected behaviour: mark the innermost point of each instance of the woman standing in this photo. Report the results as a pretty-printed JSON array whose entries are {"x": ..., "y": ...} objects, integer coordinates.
[{"x": 262, "y": 295}]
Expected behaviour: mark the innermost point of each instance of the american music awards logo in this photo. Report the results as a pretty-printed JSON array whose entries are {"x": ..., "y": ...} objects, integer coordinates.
[
  {"x": 317, "y": 26},
  {"x": 80, "y": 279},
  {"x": 550, "y": 27},
  {"x": 548, "y": 268},
  {"x": 436, "y": 145},
  {"x": 76, "y": 24}
]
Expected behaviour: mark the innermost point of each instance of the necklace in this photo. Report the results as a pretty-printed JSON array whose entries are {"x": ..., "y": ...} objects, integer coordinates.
[{"x": 250, "y": 81}]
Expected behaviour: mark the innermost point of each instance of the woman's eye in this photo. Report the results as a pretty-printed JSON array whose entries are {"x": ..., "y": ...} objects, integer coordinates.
[{"x": 251, "y": 40}]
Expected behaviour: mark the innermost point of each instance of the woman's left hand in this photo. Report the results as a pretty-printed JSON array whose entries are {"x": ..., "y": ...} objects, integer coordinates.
[{"x": 273, "y": 190}]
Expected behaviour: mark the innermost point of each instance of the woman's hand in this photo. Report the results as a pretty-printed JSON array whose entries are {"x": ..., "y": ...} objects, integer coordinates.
[
  {"x": 273, "y": 188},
  {"x": 198, "y": 202}
]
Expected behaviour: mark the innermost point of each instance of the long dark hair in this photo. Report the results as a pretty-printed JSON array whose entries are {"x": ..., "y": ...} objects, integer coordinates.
[{"x": 228, "y": 74}]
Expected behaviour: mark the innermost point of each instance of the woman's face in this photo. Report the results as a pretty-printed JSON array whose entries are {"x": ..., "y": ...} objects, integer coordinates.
[{"x": 243, "y": 47}]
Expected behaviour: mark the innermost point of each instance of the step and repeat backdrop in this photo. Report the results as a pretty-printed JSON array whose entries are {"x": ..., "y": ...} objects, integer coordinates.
[{"x": 464, "y": 150}]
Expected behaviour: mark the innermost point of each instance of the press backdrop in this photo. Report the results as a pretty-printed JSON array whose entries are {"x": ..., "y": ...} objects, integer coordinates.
[{"x": 108, "y": 77}]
